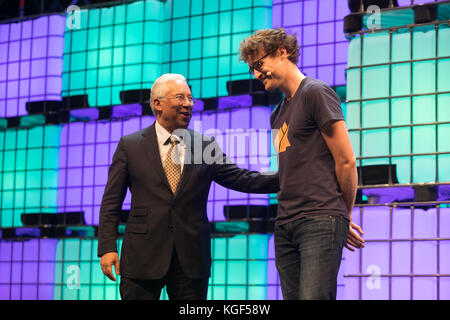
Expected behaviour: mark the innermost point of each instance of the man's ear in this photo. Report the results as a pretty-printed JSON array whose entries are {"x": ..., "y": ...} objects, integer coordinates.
[
  {"x": 157, "y": 104},
  {"x": 282, "y": 51}
]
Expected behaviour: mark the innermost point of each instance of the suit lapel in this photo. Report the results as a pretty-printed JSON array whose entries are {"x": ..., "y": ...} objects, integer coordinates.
[{"x": 150, "y": 145}]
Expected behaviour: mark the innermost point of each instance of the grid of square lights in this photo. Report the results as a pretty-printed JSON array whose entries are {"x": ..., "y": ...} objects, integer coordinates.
[
  {"x": 243, "y": 268},
  {"x": 28, "y": 172},
  {"x": 115, "y": 48},
  {"x": 202, "y": 39},
  {"x": 128, "y": 46},
  {"x": 405, "y": 246},
  {"x": 405, "y": 3},
  {"x": 30, "y": 62},
  {"x": 243, "y": 135},
  {"x": 405, "y": 255},
  {"x": 86, "y": 150},
  {"x": 319, "y": 28},
  {"x": 404, "y": 119}
]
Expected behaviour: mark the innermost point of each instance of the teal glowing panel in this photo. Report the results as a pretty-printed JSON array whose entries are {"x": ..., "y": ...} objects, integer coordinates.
[
  {"x": 77, "y": 272},
  {"x": 397, "y": 101},
  {"x": 318, "y": 26},
  {"x": 201, "y": 41},
  {"x": 113, "y": 49},
  {"x": 243, "y": 135},
  {"x": 29, "y": 172},
  {"x": 239, "y": 267}
]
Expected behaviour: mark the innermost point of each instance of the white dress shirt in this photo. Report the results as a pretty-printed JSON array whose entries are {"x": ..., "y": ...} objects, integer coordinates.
[{"x": 162, "y": 135}]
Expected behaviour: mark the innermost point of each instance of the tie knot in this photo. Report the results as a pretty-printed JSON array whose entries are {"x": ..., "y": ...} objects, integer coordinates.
[{"x": 172, "y": 141}]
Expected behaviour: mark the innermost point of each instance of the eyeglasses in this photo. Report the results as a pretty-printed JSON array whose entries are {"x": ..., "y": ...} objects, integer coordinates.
[
  {"x": 182, "y": 98},
  {"x": 257, "y": 65}
]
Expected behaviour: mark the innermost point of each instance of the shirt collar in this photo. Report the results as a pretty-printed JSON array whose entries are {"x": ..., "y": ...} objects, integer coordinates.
[{"x": 162, "y": 135}]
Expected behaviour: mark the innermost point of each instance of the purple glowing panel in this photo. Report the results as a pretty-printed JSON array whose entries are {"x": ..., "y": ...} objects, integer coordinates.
[
  {"x": 198, "y": 105},
  {"x": 27, "y": 269},
  {"x": 85, "y": 155},
  {"x": 128, "y": 110},
  {"x": 375, "y": 262},
  {"x": 376, "y": 223},
  {"x": 424, "y": 288},
  {"x": 425, "y": 223},
  {"x": 406, "y": 3},
  {"x": 401, "y": 288},
  {"x": 318, "y": 26},
  {"x": 233, "y": 130},
  {"x": 444, "y": 222},
  {"x": 30, "y": 63},
  {"x": 84, "y": 114}
]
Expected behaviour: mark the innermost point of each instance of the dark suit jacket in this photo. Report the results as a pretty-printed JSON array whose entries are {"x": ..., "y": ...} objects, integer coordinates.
[{"x": 158, "y": 219}]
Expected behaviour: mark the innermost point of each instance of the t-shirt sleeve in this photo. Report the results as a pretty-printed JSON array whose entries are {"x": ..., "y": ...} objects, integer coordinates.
[{"x": 324, "y": 104}]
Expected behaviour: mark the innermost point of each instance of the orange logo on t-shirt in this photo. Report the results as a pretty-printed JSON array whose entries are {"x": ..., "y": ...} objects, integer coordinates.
[{"x": 281, "y": 140}]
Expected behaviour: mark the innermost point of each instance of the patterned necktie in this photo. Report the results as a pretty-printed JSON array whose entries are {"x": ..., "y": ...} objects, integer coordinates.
[{"x": 171, "y": 167}]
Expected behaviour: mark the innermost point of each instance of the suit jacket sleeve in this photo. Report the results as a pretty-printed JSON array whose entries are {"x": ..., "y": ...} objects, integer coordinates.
[
  {"x": 113, "y": 196},
  {"x": 229, "y": 175}
]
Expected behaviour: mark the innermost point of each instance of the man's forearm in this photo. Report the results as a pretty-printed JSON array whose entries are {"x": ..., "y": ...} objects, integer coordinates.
[{"x": 347, "y": 176}]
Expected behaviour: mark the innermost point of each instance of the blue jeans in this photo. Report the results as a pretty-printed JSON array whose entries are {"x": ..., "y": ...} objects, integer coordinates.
[{"x": 308, "y": 254}]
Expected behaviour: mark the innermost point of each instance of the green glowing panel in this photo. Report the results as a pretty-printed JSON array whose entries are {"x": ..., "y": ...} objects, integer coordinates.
[
  {"x": 444, "y": 141},
  {"x": 355, "y": 141},
  {"x": 353, "y": 115},
  {"x": 378, "y": 75},
  {"x": 424, "y": 43},
  {"x": 116, "y": 48},
  {"x": 401, "y": 111},
  {"x": 29, "y": 171},
  {"x": 444, "y": 167},
  {"x": 354, "y": 52},
  {"x": 375, "y": 143},
  {"x": 78, "y": 275},
  {"x": 424, "y": 169},
  {"x": 375, "y": 113},
  {"x": 443, "y": 109},
  {"x": 353, "y": 81},
  {"x": 443, "y": 43},
  {"x": 401, "y": 141},
  {"x": 424, "y": 139},
  {"x": 403, "y": 169},
  {"x": 424, "y": 109},
  {"x": 424, "y": 77},
  {"x": 443, "y": 78},
  {"x": 401, "y": 46},
  {"x": 239, "y": 269},
  {"x": 204, "y": 41},
  {"x": 376, "y": 48},
  {"x": 410, "y": 98},
  {"x": 401, "y": 79}
]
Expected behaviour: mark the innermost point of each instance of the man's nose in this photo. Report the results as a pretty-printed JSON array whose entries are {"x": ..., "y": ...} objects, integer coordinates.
[{"x": 257, "y": 74}]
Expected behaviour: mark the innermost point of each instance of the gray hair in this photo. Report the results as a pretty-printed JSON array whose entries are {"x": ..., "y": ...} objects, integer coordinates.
[{"x": 159, "y": 88}]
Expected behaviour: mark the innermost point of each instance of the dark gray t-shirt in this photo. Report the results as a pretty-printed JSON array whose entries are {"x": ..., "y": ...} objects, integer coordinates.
[{"x": 308, "y": 183}]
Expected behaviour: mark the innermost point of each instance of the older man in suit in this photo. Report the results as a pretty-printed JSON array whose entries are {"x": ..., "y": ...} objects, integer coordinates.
[{"x": 169, "y": 170}]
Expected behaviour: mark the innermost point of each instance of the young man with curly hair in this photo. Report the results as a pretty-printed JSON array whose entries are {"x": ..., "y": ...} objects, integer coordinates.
[{"x": 317, "y": 169}]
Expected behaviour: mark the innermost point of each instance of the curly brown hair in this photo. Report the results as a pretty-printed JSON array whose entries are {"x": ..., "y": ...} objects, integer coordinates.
[{"x": 268, "y": 40}]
